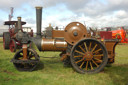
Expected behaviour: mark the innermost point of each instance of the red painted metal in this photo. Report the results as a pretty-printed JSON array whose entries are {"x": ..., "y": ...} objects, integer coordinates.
[
  {"x": 106, "y": 35},
  {"x": 117, "y": 33},
  {"x": 12, "y": 45}
]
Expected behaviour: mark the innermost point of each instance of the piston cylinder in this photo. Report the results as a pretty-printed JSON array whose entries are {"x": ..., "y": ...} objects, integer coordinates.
[{"x": 53, "y": 45}]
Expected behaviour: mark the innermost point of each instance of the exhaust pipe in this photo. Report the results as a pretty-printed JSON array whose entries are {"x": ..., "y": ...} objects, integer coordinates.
[
  {"x": 19, "y": 23},
  {"x": 38, "y": 20}
]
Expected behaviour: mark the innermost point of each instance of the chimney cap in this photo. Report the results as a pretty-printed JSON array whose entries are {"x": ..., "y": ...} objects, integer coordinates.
[
  {"x": 38, "y": 7},
  {"x": 18, "y": 17}
]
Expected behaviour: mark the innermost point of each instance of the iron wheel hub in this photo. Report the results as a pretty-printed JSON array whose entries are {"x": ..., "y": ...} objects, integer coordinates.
[{"x": 88, "y": 56}]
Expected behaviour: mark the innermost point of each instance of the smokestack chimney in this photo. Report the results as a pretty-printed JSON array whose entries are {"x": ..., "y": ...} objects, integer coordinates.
[
  {"x": 38, "y": 20},
  {"x": 19, "y": 23}
]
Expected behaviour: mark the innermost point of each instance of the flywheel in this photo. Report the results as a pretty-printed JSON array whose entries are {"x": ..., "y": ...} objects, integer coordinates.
[{"x": 74, "y": 32}]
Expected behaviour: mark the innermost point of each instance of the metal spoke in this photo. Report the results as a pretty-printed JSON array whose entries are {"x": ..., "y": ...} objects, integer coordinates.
[
  {"x": 98, "y": 55},
  {"x": 86, "y": 65},
  {"x": 91, "y": 66},
  {"x": 79, "y": 61},
  {"x": 95, "y": 63},
  {"x": 90, "y": 46},
  {"x": 85, "y": 46},
  {"x": 82, "y": 49},
  {"x": 78, "y": 56},
  {"x": 94, "y": 48},
  {"x": 98, "y": 59},
  {"x": 79, "y": 52},
  {"x": 97, "y": 50},
  {"x": 29, "y": 53},
  {"x": 82, "y": 64},
  {"x": 32, "y": 64}
]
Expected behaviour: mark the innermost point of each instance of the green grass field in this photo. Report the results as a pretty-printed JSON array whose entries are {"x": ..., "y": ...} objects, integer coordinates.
[{"x": 52, "y": 72}]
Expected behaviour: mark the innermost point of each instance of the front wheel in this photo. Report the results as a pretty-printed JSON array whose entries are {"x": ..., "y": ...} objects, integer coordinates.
[
  {"x": 89, "y": 56},
  {"x": 26, "y": 65}
]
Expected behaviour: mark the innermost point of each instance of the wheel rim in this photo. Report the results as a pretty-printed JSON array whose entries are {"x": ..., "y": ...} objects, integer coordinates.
[
  {"x": 88, "y": 56},
  {"x": 3, "y": 42},
  {"x": 12, "y": 46},
  {"x": 26, "y": 66},
  {"x": 6, "y": 40},
  {"x": 118, "y": 36}
]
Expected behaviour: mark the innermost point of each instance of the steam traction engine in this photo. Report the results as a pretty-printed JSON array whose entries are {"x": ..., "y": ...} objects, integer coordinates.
[
  {"x": 85, "y": 54},
  {"x": 9, "y": 38}
]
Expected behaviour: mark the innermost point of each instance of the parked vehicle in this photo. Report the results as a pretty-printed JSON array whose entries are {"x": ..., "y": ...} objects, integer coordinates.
[
  {"x": 9, "y": 38},
  {"x": 118, "y": 33},
  {"x": 84, "y": 53}
]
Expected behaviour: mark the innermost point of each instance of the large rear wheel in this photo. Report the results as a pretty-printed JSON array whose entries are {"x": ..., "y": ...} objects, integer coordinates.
[
  {"x": 89, "y": 56},
  {"x": 6, "y": 40}
]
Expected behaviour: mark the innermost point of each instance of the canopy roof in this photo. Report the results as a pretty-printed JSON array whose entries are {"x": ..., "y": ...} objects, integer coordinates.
[{"x": 12, "y": 22}]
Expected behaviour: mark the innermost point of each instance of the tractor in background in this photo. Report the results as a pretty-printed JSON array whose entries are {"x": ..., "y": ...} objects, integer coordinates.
[
  {"x": 117, "y": 33},
  {"x": 9, "y": 38}
]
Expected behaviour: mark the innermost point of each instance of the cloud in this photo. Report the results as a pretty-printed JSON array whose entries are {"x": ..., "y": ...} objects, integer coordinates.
[
  {"x": 88, "y": 7},
  {"x": 61, "y": 12},
  {"x": 30, "y": 20},
  {"x": 5, "y": 4},
  {"x": 121, "y": 14}
]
